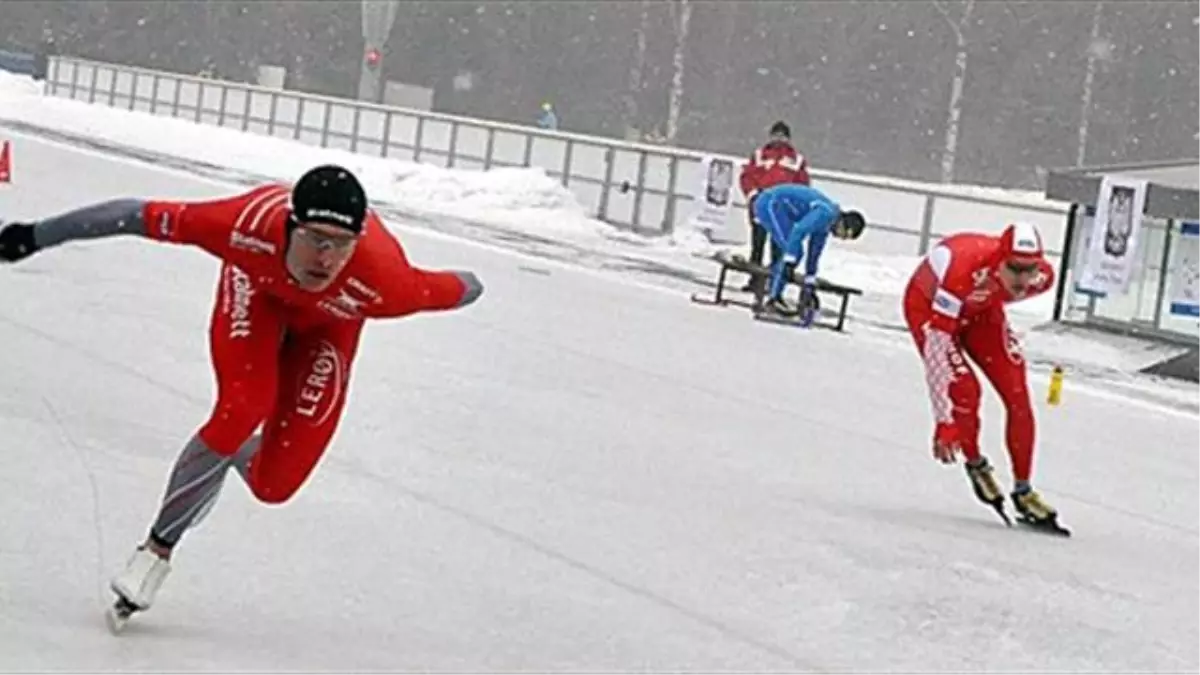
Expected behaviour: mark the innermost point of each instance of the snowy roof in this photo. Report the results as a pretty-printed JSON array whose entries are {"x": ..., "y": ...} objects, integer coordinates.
[{"x": 1174, "y": 190}]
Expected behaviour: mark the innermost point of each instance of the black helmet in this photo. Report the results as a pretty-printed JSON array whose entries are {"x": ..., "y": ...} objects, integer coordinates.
[
  {"x": 854, "y": 223},
  {"x": 781, "y": 128},
  {"x": 331, "y": 195}
]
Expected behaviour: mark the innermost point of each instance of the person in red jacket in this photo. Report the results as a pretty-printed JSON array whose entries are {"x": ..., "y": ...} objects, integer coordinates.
[
  {"x": 954, "y": 307},
  {"x": 302, "y": 270},
  {"x": 775, "y": 163}
]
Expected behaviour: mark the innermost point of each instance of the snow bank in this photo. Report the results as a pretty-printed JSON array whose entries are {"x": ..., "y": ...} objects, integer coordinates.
[{"x": 502, "y": 196}]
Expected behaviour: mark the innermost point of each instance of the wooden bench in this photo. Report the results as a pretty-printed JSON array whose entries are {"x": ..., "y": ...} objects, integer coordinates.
[{"x": 738, "y": 263}]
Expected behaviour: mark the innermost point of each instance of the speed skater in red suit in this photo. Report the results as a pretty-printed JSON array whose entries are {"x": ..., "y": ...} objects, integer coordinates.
[
  {"x": 954, "y": 307},
  {"x": 303, "y": 268}
]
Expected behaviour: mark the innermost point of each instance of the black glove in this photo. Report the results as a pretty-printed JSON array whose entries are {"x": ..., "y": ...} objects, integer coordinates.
[{"x": 16, "y": 242}]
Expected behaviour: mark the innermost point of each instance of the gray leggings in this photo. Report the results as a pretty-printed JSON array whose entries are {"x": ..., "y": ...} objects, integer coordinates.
[{"x": 193, "y": 488}]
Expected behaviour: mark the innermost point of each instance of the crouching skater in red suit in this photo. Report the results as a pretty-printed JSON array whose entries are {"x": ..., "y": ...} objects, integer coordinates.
[
  {"x": 303, "y": 269},
  {"x": 954, "y": 307}
]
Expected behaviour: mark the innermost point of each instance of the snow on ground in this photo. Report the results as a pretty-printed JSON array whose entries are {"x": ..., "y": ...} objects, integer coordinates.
[
  {"x": 575, "y": 474},
  {"x": 526, "y": 209}
]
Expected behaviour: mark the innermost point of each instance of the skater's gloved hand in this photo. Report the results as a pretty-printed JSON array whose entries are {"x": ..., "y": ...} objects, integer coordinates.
[
  {"x": 946, "y": 444},
  {"x": 16, "y": 242}
]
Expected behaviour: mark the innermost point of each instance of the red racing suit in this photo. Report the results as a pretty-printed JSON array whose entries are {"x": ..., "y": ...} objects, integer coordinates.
[
  {"x": 282, "y": 355},
  {"x": 954, "y": 306},
  {"x": 774, "y": 163}
]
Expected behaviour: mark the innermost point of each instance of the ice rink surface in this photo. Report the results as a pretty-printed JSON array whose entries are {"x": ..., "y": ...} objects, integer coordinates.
[{"x": 574, "y": 474}]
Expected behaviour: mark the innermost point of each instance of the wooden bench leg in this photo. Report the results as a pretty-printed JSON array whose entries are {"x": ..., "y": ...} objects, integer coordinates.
[
  {"x": 721, "y": 283},
  {"x": 842, "y": 312}
]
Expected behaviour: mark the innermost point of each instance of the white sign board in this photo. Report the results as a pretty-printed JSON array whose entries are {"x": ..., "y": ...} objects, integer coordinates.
[
  {"x": 1185, "y": 271},
  {"x": 1112, "y": 249},
  {"x": 714, "y": 196}
]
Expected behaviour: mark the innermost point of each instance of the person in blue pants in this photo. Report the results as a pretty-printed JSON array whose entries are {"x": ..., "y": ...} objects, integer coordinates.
[{"x": 792, "y": 214}]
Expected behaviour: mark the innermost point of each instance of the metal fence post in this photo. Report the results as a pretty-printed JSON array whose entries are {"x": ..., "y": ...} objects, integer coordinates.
[
  {"x": 418, "y": 139},
  {"x": 1162, "y": 274},
  {"x": 246, "y": 109},
  {"x": 636, "y": 217},
  {"x": 354, "y": 127},
  {"x": 299, "y": 118},
  {"x": 92, "y": 86},
  {"x": 271, "y": 115},
  {"x": 52, "y": 80},
  {"x": 453, "y": 145},
  {"x": 74, "y": 79},
  {"x": 224, "y": 100},
  {"x": 487, "y": 152},
  {"x": 669, "y": 209},
  {"x": 325, "y": 124},
  {"x": 387, "y": 134},
  {"x": 153, "y": 94},
  {"x": 175, "y": 100},
  {"x": 926, "y": 226},
  {"x": 602, "y": 210},
  {"x": 566, "y": 168}
]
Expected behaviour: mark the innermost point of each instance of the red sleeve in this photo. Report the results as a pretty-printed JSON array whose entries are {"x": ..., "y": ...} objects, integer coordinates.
[
  {"x": 749, "y": 177},
  {"x": 409, "y": 290},
  {"x": 210, "y": 224},
  {"x": 801, "y": 176},
  {"x": 954, "y": 270},
  {"x": 406, "y": 289}
]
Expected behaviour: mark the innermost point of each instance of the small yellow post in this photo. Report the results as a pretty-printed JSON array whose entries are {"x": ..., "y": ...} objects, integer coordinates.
[{"x": 1056, "y": 382}]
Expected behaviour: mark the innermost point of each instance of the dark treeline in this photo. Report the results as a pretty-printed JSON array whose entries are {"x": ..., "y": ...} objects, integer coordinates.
[{"x": 866, "y": 86}]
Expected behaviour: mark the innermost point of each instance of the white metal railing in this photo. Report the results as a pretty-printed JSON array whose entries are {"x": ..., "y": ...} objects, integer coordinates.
[{"x": 644, "y": 187}]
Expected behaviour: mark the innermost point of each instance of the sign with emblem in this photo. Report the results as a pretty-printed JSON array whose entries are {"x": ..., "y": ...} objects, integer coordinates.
[
  {"x": 714, "y": 196},
  {"x": 1112, "y": 248}
]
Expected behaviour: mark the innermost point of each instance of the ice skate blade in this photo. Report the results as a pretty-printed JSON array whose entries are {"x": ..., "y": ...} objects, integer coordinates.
[
  {"x": 999, "y": 509},
  {"x": 1053, "y": 529},
  {"x": 118, "y": 615}
]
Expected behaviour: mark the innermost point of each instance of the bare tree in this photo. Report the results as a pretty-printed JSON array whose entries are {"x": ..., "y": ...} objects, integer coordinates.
[
  {"x": 681, "y": 14},
  {"x": 1096, "y": 49},
  {"x": 637, "y": 77},
  {"x": 954, "y": 107}
]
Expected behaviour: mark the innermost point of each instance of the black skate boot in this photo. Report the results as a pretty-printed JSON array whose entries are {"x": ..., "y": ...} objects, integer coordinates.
[
  {"x": 1034, "y": 512},
  {"x": 983, "y": 482}
]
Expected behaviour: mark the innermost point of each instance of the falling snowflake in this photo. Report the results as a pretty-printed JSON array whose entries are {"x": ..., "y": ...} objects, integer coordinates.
[{"x": 1101, "y": 50}]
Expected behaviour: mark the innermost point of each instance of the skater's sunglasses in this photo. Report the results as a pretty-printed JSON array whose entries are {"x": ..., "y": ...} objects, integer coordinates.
[
  {"x": 326, "y": 241},
  {"x": 1021, "y": 267}
]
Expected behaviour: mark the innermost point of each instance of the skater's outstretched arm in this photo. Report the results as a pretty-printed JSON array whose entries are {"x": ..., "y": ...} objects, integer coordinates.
[
  {"x": 407, "y": 289},
  {"x": 203, "y": 223},
  {"x": 106, "y": 219}
]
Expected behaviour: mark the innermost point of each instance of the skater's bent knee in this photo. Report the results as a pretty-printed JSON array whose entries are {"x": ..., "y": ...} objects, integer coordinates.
[
  {"x": 274, "y": 491},
  {"x": 225, "y": 436},
  {"x": 232, "y": 423}
]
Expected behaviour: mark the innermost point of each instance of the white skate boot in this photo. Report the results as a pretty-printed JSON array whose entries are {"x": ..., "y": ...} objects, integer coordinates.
[{"x": 136, "y": 586}]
